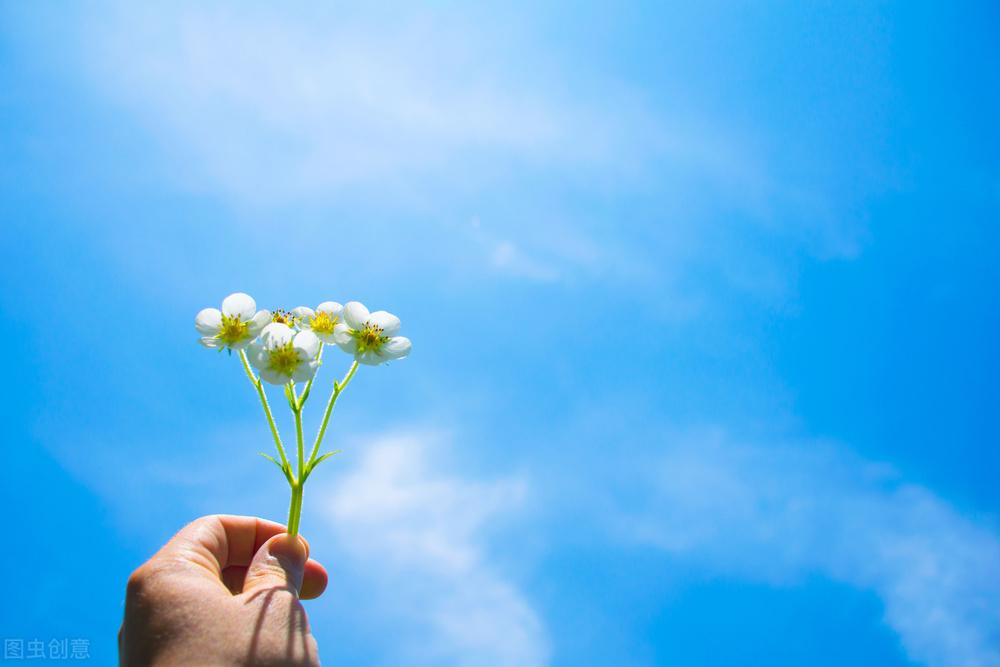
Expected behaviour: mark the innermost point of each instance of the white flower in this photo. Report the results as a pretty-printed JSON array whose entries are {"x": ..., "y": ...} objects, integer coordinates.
[
  {"x": 321, "y": 321},
  {"x": 281, "y": 354},
  {"x": 370, "y": 337},
  {"x": 235, "y": 326}
]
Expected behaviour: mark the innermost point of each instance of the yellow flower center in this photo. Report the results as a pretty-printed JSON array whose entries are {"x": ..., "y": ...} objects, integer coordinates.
[
  {"x": 369, "y": 338},
  {"x": 232, "y": 330},
  {"x": 283, "y": 359},
  {"x": 323, "y": 322},
  {"x": 282, "y": 316}
]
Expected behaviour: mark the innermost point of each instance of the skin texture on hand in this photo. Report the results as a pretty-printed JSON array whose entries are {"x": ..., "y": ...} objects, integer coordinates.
[{"x": 225, "y": 590}]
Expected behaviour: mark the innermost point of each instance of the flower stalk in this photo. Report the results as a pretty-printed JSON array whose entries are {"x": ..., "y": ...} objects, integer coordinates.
[
  {"x": 286, "y": 347},
  {"x": 338, "y": 387},
  {"x": 255, "y": 381}
]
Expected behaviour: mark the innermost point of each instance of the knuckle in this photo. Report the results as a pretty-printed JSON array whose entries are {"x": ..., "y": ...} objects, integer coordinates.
[
  {"x": 138, "y": 580},
  {"x": 270, "y": 574},
  {"x": 144, "y": 582}
]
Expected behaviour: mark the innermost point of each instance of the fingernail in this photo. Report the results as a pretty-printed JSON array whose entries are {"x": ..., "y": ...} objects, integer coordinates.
[
  {"x": 284, "y": 545},
  {"x": 290, "y": 554}
]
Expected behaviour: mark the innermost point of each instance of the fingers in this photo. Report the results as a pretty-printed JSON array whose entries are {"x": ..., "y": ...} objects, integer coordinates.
[
  {"x": 280, "y": 563},
  {"x": 224, "y": 547},
  {"x": 314, "y": 580},
  {"x": 222, "y": 540}
]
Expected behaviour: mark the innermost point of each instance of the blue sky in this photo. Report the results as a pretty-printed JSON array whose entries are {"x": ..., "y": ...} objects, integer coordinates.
[{"x": 703, "y": 304}]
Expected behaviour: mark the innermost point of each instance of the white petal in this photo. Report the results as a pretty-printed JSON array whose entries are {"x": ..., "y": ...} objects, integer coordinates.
[
  {"x": 256, "y": 353},
  {"x": 239, "y": 304},
  {"x": 211, "y": 342},
  {"x": 388, "y": 322},
  {"x": 306, "y": 344},
  {"x": 240, "y": 344},
  {"x": 273, "y": 377},
  {"x": 332, "y": 307},
  {"x": 355, "y": 314},
  {"x": 396, "y": 347},
  {"x": 369, "y": 358},
  {"x": 305, "y": 371},
  {"x": 276, "y": 334},
  {"x": 343, "y": 339},
  {"x": 208, "y": 321},
  {"x": 260, "y": 320},
  {"x": 303, "y": 312},
  {"x": 328, "y": 338}
]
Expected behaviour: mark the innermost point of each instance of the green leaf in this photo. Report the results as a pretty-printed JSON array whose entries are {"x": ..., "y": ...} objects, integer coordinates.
[
  {"x": 319, "y": 460},
  {"x": 291, "y": 399},
  {"x": 325, "y": 456},
  {"x": 273, "y": 460},
  {"x": 285, "y": 469},
  {"x": 305, "y": 395}
]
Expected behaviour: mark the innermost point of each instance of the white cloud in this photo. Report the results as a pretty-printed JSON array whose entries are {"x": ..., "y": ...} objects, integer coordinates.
[
  {"x": 779, "y": 513},
  {"x": 422, "y": 114},
  {"x": 277, "y": 105},
  {"x": 418, "y": 533}
]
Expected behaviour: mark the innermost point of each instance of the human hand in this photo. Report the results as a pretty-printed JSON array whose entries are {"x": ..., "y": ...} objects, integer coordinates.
[{"x": 224, "y": 590}]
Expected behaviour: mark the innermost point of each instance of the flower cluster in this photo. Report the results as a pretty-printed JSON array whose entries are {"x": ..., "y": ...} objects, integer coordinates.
[{"x": 285, "y": 347}]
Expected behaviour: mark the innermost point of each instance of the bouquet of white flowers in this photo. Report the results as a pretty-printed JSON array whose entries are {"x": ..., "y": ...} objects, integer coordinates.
[{"x": 286, "y": 348}]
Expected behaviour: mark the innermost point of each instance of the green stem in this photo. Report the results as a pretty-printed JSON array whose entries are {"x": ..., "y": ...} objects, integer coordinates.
[
  {"x": 255, "y": 381},
  {"x": 295, "y": 509},
  {"x": 299, "y": 440},
  {"x": 337, "y": 388},
  {"x": 309, "y": 385}
]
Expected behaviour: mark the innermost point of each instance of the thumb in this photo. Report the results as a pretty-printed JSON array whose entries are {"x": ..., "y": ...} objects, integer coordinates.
[{"x": 279, "y": 563}]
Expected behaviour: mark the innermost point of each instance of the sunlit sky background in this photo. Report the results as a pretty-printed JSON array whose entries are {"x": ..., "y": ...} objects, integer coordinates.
[{"x": 703, "y": 300}]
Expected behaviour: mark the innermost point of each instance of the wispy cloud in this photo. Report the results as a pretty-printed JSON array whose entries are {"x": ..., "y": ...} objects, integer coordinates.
[
  {"x": 418, "y": 534},
  {"x": 778, "y": 513},
  {"x": 433, "y": 116},
  {"x": 275, "y": 106}
]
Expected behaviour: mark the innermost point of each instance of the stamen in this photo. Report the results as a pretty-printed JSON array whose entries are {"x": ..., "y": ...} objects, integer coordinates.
[
  {"x": 282, "y": 316},
  {"x": 284, "y": 359},
  {"x": 232, "y": 330},
  {"x": 369, "y": 338},
  {"x": 323, "y": 322}
]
